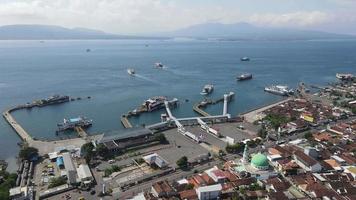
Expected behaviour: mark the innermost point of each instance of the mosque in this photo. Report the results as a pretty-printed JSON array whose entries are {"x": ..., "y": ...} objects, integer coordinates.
[{"x": 257, "y": 167}]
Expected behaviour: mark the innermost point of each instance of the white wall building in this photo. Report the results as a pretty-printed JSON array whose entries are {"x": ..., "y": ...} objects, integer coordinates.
[
  {"x": 209, "y": 192},
  {"x": 84, "y": 174}
]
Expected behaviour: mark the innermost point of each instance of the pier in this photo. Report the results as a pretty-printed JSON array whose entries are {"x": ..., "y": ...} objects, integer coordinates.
[
  {"x": 17, "y": 128},
  {"x": 125, "y": 122},
  {"x": 200, "y": 111},
  {"x": 226, "y": 98},
  {"x": 81, "y": 132}
]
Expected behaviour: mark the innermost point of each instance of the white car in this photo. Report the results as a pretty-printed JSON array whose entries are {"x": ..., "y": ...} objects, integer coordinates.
[{"x": 111, "y": 161}]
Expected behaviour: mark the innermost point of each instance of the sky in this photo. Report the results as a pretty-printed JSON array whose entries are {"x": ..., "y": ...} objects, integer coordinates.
[{"x": 149, "y": 16}]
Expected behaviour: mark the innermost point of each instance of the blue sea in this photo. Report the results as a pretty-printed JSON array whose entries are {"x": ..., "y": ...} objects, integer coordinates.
[{"x": 32, "y": 70}]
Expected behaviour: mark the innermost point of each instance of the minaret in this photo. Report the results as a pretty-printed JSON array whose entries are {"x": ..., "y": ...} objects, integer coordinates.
[{"x": 245, "y": 155}]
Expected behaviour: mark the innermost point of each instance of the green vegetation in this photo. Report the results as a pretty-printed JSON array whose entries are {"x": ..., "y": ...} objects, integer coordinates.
[
  {"x": 102, "y": 151},
  {"x": 9, "y": 181},
  {"x": 88, "y": 151},
  {"x": 27, "y": 153},
  {"x": 182, "y": 162},
  {"x": 308, "y": 136},
  {"x": 189, "y": 186},
  {"x": 235, "y": 148},
  {"x": 112, "y": 169},
  {"x": 57, "y": 181},
  {"x": 161, "y": 138},
  {"x": 277, "y": 120},
  {"x": 353, "y": 110},
  {"x": 262, "y": 133}
]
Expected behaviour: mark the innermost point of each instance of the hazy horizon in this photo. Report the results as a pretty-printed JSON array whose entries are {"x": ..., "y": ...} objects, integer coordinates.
[{"x": 149, "y": 16}]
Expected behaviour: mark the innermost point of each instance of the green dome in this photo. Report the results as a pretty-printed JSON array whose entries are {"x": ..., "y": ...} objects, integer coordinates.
[{"x": 259, "y": 160}]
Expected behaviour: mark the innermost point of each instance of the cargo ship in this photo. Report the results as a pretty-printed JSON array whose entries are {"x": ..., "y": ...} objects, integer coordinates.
[
  {"x": 70, "y": 124},
  {"x": 282, "y": 90},
  {"x": 243, "y": 77},
  {"x": 55, "y": 99},
  {"x": 245, "y": 59},
  {"x": 207, "y": 89}
]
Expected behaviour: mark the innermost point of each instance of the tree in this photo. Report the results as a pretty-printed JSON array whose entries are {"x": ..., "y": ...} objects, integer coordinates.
[
  {"x": 235, "y": 148},
  {"x": 57, "y": 181},
  {"x": 188, "y": 186},
  {"x": 27, "y": 153},
  {"x": 9, "y": 181},
  {"x": 353, "y": 110},
  {"x": 102, "y": 151},
  {"x": 161, "y": 138},
  {"x": 262, "y": 133},
  {"x": 87, "y": 151},
  {"x": 308, "y": 136},
  {"x": 182, "y": 162}
]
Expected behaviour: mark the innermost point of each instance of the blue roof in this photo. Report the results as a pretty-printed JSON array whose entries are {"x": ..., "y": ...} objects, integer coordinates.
[
  {"x": 59, "y": 161},
  {"x": 73, "y": 120}
]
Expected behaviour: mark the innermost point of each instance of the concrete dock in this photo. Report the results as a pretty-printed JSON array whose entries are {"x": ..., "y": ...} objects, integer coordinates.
[
  {"x": 201, "y": 112},
  {"x": 44, "y": 147},
  {"x": 81, "y": 132},
  {"x": 125, "y": 122},
  {"x": 18, "y": 129}
]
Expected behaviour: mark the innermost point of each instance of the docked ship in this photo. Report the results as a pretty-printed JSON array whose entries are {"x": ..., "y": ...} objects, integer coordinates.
[
  {"x": 159, "y": 65},
  {"x": 245, "y": 59},
  {"x": 55, "y": 99},
  {"x": 344, "y": 76},
  {"x": 279, "y": 90},
  {"x": 69, "y": 124},
  {"x": 245, "y": 76},
  {"x": 131, "y": 71},
  {"x": 154, "y": 103},
  {"x": 207, "y": 89}
]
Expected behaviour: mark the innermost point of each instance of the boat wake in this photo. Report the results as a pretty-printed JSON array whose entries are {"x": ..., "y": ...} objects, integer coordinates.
[{"x": 146, "y": 78}]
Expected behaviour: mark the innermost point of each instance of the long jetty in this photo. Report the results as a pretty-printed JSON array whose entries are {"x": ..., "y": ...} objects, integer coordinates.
[
  {"x": 200, "y": 111},
  {"x": 125, "y": 122},
  {"x": 13, "y": 123},
  {"x": 81, "y": 132}
]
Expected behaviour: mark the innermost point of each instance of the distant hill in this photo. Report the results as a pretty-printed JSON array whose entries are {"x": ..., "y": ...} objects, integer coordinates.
[
  {"x": 245, "y": 31},
  {"x": 48, "y": 32}
]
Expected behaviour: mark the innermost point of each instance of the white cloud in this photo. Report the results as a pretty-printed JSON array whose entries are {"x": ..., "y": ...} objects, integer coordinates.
[
  {"x": 112, "y": 15},
  {"x": 300, "y": 19}
]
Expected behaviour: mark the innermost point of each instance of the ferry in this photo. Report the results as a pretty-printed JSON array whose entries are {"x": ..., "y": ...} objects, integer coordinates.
[
  {"x": 154, "y": 103},
  {"x": 245, "y": 76},
  {"x": 207, "y": 89},
  {"x": 245, "y": 59},
  {"x": 55, "y": 99},
  {"x": 344, "y": 76},
  {"x": 159, "y": 65},
  {"x": 74, "y": 122},
  {"x": 131, "y": 71},
  {"x": 279, "y": 90}
]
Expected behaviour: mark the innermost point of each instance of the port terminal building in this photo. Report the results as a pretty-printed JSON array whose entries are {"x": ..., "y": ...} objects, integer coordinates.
[{"x": 118, "y": 140}]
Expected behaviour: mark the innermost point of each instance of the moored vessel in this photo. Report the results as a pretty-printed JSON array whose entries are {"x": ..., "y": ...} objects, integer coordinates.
[
  {"x": 68, "y": 124},
  {"x": 282, "y": 90}
]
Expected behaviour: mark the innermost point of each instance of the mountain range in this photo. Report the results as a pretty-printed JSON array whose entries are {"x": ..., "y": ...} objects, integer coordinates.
[{"x": 217, "y": 31}]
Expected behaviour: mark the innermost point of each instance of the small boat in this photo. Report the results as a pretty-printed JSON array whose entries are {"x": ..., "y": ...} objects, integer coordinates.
[
  {"x": 207, "y": 89},
  {"x": 88, "y": 50},
  {"x": 159, "y": 65},
  {"x": 245, "y": 76},
  {"x": 131, "y": 71},
  {"x": 245, "y": 59}
]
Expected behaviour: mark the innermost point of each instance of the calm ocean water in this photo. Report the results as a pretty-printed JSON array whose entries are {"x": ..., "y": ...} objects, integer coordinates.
[{"x": 31, "y": 70}]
